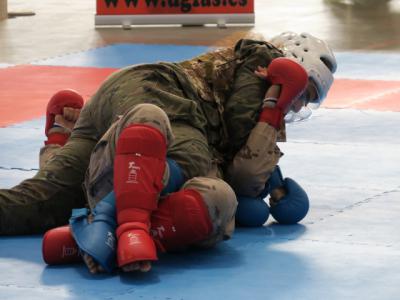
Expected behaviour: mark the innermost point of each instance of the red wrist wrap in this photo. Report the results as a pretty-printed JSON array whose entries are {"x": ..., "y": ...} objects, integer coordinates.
[
  {"x": 57, "y": 138},
  {"x": 272, "y": 116}
]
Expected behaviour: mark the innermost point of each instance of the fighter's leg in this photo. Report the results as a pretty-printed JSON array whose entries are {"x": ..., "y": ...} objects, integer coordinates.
[
  {"x": 201, "y": 214},
  {"x": 45, "y": 201},
  {"x": 189, "y": 149},
  {"x": 100, "y": 177},
  {"x": 191, "y": 153},
  {"x": 221, "y": 203}
]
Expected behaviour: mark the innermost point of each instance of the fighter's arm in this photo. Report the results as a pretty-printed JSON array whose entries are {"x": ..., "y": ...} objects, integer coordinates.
[
  {"x": 248, "y": 90},
  {"x": 256, "y": 160}
]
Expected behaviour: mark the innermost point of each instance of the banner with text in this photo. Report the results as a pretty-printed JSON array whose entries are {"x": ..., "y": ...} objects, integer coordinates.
[{"x": 165, "y": 7}]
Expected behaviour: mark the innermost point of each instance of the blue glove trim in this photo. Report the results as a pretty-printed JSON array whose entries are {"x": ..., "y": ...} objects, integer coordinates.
[{"x": 275, "y": 180}]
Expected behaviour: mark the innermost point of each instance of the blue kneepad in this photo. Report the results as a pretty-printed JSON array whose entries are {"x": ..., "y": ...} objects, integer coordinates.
[{"x": 251, "y": 212}]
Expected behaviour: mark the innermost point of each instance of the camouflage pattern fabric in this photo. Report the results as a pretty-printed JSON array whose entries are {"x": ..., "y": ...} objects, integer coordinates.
[
  {"x": 255, "y": 161},
  {"x": 216, "y": 95},
  {"x": 46, "y": 200}
]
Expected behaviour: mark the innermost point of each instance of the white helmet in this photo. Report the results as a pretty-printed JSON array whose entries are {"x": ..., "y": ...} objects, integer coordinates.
[{"x": 314, "y": 55}]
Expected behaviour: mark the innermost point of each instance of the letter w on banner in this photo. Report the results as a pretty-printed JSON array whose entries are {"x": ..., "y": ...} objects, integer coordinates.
[{"x": 186, "y": 12}]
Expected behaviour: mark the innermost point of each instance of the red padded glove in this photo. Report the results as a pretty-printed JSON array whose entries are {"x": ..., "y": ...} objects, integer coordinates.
[
  {"x": 61, "y": 99},
  {"x": 293, "y": 79}
]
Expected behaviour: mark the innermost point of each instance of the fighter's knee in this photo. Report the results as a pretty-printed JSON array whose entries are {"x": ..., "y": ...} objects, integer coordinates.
[
  {"x": 221, "y": 202},
  {"x": 212, "y": 190},
  {"x": 149, "y": 110},
  {"x": 181, "y": 220},
  {"x": 151, "y": 115}
]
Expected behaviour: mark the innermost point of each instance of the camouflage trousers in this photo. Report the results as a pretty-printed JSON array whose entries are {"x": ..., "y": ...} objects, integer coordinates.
[{"x": 45, "y": 201}]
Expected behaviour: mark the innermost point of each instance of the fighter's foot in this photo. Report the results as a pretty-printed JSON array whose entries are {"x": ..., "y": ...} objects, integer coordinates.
[
  {"x": 92, "y": 265},
  {"x": 142, "y": 266}
]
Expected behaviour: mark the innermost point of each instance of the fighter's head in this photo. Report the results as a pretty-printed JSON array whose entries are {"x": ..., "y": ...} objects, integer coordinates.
[{"x": 317, "y": 59}]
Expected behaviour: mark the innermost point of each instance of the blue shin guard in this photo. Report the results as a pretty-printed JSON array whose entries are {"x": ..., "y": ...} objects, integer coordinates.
[{"x": 97, "y": 238}]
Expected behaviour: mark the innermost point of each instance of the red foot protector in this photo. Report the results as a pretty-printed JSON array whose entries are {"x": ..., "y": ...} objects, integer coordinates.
[
  {"x": 181, "y": 219},
  {"x": 59, "y": 247},
  {"x": 135, "y": 243},
  {"x": 139, "y": 165}
]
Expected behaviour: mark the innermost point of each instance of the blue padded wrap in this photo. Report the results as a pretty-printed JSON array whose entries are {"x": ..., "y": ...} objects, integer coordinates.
[
  {"x": 275, "y": 180},
  {"x": 176, "y": 179},
  {"x": 251, "y": 212},
  {"x": 97, "y": 238},
  {"x": 293, "y": 207}
]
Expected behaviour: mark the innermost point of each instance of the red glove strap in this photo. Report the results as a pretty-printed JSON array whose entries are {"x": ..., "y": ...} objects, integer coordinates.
[
  {"x": 272, "y": 116},
  {"x": 57, "y": 138}
]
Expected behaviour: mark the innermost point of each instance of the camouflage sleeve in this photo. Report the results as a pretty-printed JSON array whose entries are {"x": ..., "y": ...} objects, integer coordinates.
[
  {"x": 254, "y": 163},
  {"x": 253, "y": 144},
  {"x": 248, "y": 90}
]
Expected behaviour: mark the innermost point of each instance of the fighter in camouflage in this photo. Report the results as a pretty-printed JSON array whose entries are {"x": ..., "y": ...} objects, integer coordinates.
[{"x": 166, "y": 150}]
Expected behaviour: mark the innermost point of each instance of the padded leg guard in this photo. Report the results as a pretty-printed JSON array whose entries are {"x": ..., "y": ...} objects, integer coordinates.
[
  {"x": 139, "y": 166},
  {"x": 181, "y": 220},
  {"x": 97, "y": 238},
  {"x": 59, "y": 247}
]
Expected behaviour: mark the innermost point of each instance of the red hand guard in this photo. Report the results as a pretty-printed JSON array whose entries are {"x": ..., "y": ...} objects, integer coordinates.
[
  {"x": 57, "y": 138},
  {"x": 293, "y": 79},
  {"x": 61, "y": 99}
]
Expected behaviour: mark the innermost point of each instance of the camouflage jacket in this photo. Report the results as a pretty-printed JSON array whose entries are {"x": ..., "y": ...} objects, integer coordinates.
[
  {"x": 216, "y": 92},
  {"x": 231, "y": 93}
]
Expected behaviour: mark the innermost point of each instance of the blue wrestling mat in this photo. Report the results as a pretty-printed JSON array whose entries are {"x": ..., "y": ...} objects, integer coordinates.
[
  {"x": 367, "y": 65},
  {"x": 121, "y": 55},
  {"x": 348, "y": 247}
]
